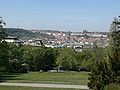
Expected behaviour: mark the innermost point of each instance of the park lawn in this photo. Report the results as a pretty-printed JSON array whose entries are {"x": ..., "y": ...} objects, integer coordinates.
[
  {"x": 31, "y": 88},
  {"x": 47, "y": 77}
]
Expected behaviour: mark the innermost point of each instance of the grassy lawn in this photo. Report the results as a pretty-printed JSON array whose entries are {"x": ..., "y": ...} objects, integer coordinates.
[
  {"x": 47, "y": 77},
  {"x": 29, "y": 88}
]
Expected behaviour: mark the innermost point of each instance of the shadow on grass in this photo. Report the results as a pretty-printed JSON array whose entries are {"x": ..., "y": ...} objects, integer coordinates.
[{"x": 4, "y": 76}]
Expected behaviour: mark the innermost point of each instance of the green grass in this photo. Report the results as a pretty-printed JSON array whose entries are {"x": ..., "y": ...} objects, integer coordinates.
[
  {"x": 29, "y": 88},
  {"x": 48, "y": 77}
]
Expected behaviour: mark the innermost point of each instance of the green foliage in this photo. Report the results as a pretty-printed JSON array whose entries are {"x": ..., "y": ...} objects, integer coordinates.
[
  {"x": 86, "y": 60},
  {"x": 15, "y": 58},
  {"x": 39, "y": 58},
  {"x": 107, "y": 67},
  {"x": 114, "y": 56},
  {"x": 20, "y": 33},
  {"x": 4, "y": 58},
  {"x": 69, "y": 59},
  {"x": 14, "y": 65},
  {"x": 3, "y": 34},
  {"x": 16, "y": 52},
  {"x": 99, "y": 76},
  {"x": 47, "y": 60},
  {"x": 24, "y": 68},
  {"x": 26, "y": 34},
  {"x": 112, "y": 86},
  {"x": 66, "y": 60}
]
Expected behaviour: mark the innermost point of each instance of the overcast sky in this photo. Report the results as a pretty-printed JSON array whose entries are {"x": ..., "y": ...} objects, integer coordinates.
[{"x": 65, "y": 15}]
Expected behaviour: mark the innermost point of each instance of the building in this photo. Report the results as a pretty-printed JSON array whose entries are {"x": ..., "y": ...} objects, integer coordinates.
[{"x": 13, "y": 40}]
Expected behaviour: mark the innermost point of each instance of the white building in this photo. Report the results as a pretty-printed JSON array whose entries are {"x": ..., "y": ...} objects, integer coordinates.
[{"x": 13, "y": 40}]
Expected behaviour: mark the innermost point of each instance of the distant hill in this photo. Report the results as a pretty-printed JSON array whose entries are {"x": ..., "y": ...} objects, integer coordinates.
[
  {"x": 12, "y": 31},
  {"x": 25, "y": 34},
  {"x": 20, "y": 33},
  {"x": 31, "y": 34}
]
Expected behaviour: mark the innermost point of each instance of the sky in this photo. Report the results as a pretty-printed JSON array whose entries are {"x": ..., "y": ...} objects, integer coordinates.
[{"x": 62, "y": 15}]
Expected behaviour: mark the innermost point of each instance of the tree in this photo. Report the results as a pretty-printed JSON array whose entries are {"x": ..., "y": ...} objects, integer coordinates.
[
  {"x": 107, "y": 70},
  {"x": 15, "y": 58},
  {"x": 28, "y": 57},
  {"x": 85, "y": 59},
  {"x": 99, "y": 76},
  {"x": 114, "y": 55},
  {"x": 4, "y": 58},
  {"x": 3, "y": 34},
  {"x": 39, "y": 58},
  {"x": 66, "y": 60},
  {"x": 100, "y": 73},
  {"x": 48, "y": 60}
]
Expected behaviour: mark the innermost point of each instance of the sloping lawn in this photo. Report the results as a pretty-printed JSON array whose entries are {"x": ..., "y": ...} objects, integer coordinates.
[
  {"x": 47, "y": 77},
  {"x": 29, "y": 88}
]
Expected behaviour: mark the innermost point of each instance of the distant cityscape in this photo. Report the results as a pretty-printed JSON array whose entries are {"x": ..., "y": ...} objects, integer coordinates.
[{"x": 58, "y": 39}]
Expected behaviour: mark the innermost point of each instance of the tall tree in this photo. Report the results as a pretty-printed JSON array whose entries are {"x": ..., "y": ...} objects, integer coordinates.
[
  {"x": 114, "y": 56},
  {"x": 107, "y": 70},
  {"x": 39, "y": 58},
  {"x": 4, "y": 60},
  {"x": 3, "y": 34},
  {"x": 66, "y": 60}
]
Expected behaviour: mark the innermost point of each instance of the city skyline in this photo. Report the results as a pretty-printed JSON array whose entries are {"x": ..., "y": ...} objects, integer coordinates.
[{"x": 63, "y": 15}]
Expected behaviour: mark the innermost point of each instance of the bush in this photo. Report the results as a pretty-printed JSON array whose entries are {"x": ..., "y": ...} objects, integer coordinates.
[
  {"x": 24, "y": 68},
  {"x": 99, "y": 76},
  {"x": 112, "y": 86},
  {"x": 14, "y": 66}
]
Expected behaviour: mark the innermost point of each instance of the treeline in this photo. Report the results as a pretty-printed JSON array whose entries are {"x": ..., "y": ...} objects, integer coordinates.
[{"x": 29, "y": 58}]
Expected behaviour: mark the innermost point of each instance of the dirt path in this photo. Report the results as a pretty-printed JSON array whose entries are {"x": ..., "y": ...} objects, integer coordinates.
[{"x": 46, "y": 85}]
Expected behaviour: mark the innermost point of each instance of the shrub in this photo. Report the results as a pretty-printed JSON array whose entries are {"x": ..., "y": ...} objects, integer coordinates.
[
  {"x": 24, "y": 68},
  {"x": 99, "y": 76},
  {"x": 112, "y": 86}
]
